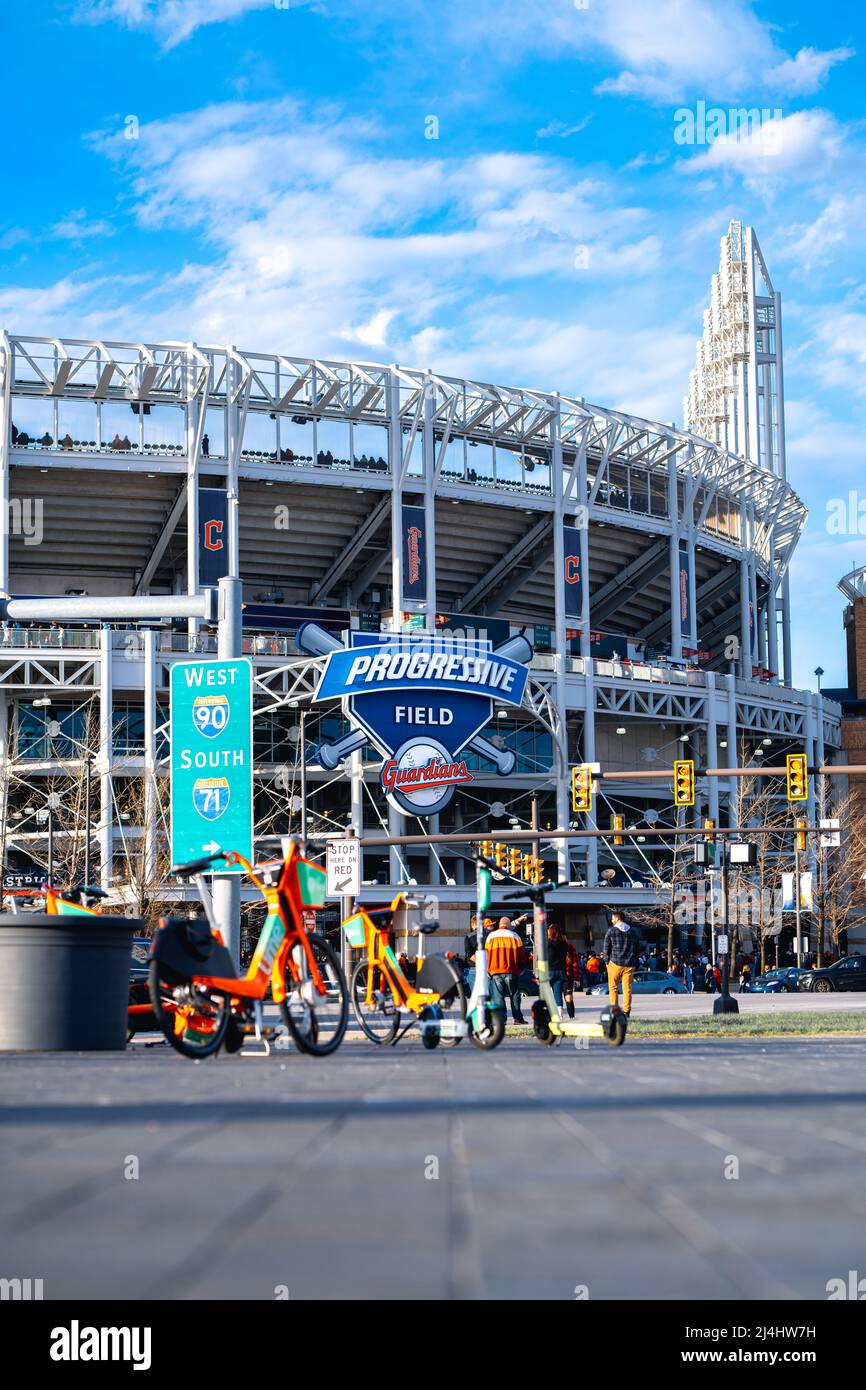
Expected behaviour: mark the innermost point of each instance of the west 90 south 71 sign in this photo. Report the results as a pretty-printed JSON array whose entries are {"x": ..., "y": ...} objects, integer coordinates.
[{"x": 211, "y": 758}]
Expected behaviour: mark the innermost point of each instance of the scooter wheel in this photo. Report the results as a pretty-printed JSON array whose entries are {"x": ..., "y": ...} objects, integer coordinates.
[
  {"x": 616, "y": 1036},
  {"x": 429, "y": 1023},
  {"x": 494, "y": 1030},
  {"x": 541, "y": 1023}
]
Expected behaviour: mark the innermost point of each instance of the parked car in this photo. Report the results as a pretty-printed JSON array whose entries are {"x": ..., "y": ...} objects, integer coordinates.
[
  {"x": 847, "y": 973},
  {"x": 785, "y": 980},
  {"x": 650, "y": 982}
]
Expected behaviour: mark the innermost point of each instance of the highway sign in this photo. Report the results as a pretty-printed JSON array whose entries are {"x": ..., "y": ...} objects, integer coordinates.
[
  {"x": 344, "y": 868},
  {"x": 211, "y": 758}
]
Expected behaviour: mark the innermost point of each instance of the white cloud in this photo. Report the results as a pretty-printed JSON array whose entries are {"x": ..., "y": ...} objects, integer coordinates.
[
  {"x": 171, "y": 21},
  {"x": 75, "y": 227},
  {"x": 561, "y": 130},
  {"x": 669, "y": 50},
  {"x": 795, "y": 147},
  {"x": 807, "y": 71}
]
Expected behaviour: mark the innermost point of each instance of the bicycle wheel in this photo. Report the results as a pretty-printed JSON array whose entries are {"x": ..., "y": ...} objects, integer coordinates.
[
  {"x": 380, "y": 1020},
  {"x": 193, "y": 1019},
  {"x": 317, "y": 1021}
]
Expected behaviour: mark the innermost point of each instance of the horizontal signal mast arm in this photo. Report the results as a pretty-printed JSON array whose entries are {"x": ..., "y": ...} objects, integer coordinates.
[{"x": 666, "y": 773}]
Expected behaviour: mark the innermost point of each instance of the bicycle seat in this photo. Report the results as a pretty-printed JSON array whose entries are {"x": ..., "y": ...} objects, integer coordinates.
[
  {"x": 381, "y": 917},
  {"x": 425, "y": 927}
]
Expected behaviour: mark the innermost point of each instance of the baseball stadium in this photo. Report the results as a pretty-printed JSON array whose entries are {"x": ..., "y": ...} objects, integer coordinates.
[{"x": 641, "y": 568}]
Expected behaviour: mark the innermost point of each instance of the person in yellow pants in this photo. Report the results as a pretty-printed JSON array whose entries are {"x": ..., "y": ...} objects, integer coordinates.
[{"x": 621, "y": 948}]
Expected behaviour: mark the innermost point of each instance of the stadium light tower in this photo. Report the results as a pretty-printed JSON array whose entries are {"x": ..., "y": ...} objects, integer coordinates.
[{"x": 736, "y": 400}]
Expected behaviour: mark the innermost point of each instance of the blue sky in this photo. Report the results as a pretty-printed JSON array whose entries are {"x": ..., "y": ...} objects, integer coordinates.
[{"x": 283, "y": 193}]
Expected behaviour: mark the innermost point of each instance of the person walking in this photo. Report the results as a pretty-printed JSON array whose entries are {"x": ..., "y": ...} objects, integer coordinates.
[
  {"x": 557, "y": 958},
  {"x": 621, "y": 950},
  {"x": 506, "y": 958},
  {"x": 745, "y": 978},
  {"x": 689, "y": 976},
  {"x": 572, "y": 978},
  {"x": 591, "y": 972}
]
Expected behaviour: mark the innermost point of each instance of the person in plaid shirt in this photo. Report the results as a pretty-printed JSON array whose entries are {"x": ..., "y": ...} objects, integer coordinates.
[
  {"x": 572, "y": 978},
  {"x": 621, "y": 946}
]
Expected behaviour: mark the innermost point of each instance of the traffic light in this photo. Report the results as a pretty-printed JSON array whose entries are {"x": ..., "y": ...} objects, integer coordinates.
[
  {"x": 684, "y": 782},
  {"x": 514, "y": 861},
  {"x": 528, "y": 863},
  {"x": 486, "y": 849},
  {"x": 801, "y": 834},
  {"x": 709, "y": 827},
  {"x": 581, "y": 787},
  {"x": 797, "y": 772},
  {"x": 538, "y": 871},
  {"x": 500, "y": 855},
  {"x": 617, "y": 824}
]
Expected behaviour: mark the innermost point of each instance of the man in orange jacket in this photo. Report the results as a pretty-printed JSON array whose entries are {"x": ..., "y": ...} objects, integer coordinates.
[{"x": 506, "y": 958}]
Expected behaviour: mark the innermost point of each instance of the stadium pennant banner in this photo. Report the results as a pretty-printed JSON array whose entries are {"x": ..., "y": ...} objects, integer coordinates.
[
  {"x": 685, "y": 590},
  {"x": 213, "y": 528},
  {"x": 414, "y": 554},
  {"x": 571, "y": 572},
  {"x": 421, "y": 700}
]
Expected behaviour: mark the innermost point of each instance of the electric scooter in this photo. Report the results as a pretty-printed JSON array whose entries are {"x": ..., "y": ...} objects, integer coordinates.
[
  {"x": 483, "y": 1024},
  {"x": 547, "y": 1022}
]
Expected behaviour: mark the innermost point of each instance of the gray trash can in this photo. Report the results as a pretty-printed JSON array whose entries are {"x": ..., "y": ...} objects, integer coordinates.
[{"x": 65, "y": 981}]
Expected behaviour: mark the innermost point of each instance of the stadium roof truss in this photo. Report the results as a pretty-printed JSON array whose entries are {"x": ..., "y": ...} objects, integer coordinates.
[{"x": 590, "y": 437}]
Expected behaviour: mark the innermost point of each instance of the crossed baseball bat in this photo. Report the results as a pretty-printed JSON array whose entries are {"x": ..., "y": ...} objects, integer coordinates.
[{"x": 315, "y": 641}]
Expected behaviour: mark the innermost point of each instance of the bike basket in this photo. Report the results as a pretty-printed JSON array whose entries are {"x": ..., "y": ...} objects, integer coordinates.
[
  {"x": 354, "y": 929},
  {"x": 312, "y": 882}
]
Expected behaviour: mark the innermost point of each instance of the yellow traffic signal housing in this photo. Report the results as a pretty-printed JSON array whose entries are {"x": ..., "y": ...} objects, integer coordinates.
[
  {"x": 538, "y": 871},
  {"x": 528, "y": 863},
  {"x": 581, "y": 787},
  {"x": 514, "y": 861},
  {"x": 617, "y": 824},
  {"x": 486, "y": 849},
  {"x": 684, "y": 782},
  {"x": 797, "y": 770},
  {"x": 500, "y": 855},
  {"x": 709, "y": 827},
  {"x": 801, "y": 834}
]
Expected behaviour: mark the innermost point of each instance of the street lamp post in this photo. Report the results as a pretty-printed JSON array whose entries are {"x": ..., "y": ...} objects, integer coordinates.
[{"x": 726, "y": 1004}]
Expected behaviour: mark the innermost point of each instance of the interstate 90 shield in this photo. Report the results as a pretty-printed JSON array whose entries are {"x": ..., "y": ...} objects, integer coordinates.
[{"x": 210, "y": 714}]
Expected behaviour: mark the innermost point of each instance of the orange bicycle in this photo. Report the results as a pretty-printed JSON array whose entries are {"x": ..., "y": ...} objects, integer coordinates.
[
  {"x": 380, "y": 989},
  {"x": 202, "y": 1004}
]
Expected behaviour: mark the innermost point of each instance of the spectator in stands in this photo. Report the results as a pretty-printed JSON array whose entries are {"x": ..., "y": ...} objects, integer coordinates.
[
  {"x": 205, "y": 447},
  {"x": 66, "y": 441},
  {"x": 23, "y": 440},
  {"x": 14, "y": 435},
  {"x": 116, "y": 443}
]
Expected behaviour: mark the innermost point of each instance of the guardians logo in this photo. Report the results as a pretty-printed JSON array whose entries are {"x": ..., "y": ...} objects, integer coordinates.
[{"x": 421, "y": 701}]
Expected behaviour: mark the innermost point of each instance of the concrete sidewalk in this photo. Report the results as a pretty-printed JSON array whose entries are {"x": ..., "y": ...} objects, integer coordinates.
[{"x": 526, "y": 1173}]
